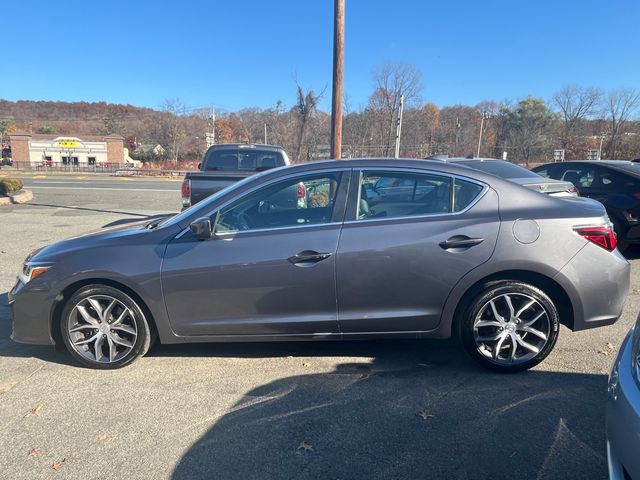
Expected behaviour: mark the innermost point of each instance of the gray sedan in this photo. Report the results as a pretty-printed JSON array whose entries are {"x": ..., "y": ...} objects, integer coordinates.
[
  {"x": 623, "y": 410},
  {"x": 381, "y": 248}
]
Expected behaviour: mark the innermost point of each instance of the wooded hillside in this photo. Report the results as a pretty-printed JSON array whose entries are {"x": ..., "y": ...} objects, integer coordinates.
[{"x": 529, "y": 129}]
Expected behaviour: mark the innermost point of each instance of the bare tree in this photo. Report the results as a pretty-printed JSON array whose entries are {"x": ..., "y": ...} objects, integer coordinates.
[
  {"x": 576, "y": 104},
  {"x": 173, "y": 127},
  {"x": 305, "y": 107},
  {"x": 621, "y": 104},
  {"x": 391, "y": 81}
]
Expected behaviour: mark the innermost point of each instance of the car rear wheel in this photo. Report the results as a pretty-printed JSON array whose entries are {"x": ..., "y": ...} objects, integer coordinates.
[
  {"x": 509, "y": 326},
  {"x": 103, "y": 327}
]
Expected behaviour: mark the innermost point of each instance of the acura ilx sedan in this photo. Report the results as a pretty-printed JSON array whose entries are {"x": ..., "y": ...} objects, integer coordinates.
[{"x": 381, "y": 248}]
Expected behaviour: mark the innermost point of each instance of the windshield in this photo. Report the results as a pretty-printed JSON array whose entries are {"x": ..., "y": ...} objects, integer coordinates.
[
  {"x": 242, "y": 159},
  {"x": 500, "y": 168},
  {"x": 203, "y": 206}
]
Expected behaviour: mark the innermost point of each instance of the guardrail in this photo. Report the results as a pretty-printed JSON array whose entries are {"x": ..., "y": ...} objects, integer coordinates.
[
  {"x": 117, "y": 169},
  {"x": 139, "y": 172}
]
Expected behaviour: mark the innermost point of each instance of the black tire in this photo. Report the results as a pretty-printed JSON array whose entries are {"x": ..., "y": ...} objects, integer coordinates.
[
  {"x": 478, "y": 309},
  {"x": 137, "y": 344}
]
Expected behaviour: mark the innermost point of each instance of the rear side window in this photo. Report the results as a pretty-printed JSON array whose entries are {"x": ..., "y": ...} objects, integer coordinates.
[
  {"x": 464, "y": 193},
  {"x": 617, "y": 180},
  {"x": 254, "y": 160},
  {"x": 403, "y": 194}
]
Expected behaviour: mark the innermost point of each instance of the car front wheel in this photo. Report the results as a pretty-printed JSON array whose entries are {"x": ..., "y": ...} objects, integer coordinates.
[
  {"x": 509, "y": 326},
  {"x": 103, "y": 327}
]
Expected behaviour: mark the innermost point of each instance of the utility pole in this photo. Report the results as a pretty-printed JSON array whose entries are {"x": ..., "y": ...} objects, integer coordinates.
[
  {"x": 336, "y": 91},
  {"x": 399, "y": 126},
  {"x": 213, "y": 125},
  {"x": 265, "y": 134},
  {"x": 484, "y": 115}
]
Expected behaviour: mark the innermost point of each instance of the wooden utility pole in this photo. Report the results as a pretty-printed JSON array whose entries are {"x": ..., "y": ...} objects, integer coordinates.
[{"x": 336, "y": 91}]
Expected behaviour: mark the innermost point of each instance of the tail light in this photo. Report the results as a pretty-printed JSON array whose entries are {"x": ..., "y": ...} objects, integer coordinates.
[
  {"x": 186, "y": 193},
  {"x": 572, "y": 189},
  {"x": 603, "y": 236},
  {"x": 636, "y": 195}
]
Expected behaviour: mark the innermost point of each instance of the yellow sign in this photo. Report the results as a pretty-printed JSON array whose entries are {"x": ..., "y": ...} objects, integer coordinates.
[{"x": 66, "y": 143}]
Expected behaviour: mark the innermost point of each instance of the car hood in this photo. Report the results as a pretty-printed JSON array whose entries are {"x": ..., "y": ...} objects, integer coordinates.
[{"x": 120, "y": 234}]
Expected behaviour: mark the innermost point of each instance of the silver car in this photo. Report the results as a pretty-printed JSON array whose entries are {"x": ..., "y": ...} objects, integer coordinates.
[
  {"x": 381, "y": 248},
  {"x": 623, "y": 410},
  {"x": 517, "y": 174}
]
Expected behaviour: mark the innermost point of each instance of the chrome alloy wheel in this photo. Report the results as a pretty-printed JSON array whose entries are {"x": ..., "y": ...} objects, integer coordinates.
[
  {"x": 511, "y": 328},
  {"x": 102, "y": 329}
]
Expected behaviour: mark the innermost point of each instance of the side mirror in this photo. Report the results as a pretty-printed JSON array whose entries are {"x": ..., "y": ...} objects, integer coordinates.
[
  {"x": 201, "y": 228},
  {"x": 200, "y": 166}
]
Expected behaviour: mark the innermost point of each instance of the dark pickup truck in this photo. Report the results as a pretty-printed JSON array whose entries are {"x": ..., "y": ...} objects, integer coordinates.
[{"x": 226, "y": 164}]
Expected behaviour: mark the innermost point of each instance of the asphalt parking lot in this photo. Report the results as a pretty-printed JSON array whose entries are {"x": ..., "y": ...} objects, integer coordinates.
[{"x": 371, "y": 410}]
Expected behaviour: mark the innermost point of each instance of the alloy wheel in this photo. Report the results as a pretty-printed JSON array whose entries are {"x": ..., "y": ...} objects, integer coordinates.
[
  {"x": 511, "y": 328},
  {"x": 102, "y": 329}
]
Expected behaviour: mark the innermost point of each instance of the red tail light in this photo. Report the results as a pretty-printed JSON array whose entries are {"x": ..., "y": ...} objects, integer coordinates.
[
  {"x": 604, "y": 237},
  {"x": 302, "y": 192},
  {"x": 572, "y": 189},
  {"x": 186, "y": 188}
]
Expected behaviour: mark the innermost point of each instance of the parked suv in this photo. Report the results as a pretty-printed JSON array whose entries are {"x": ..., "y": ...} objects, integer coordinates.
[{"x": 614, "y": 183}]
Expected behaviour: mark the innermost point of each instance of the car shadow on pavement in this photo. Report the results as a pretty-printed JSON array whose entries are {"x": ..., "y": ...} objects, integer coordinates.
[
  {"x": 384, "y": 409},
  {"x": 418, "y": 410},
  {"x": 102, "y": 210}
]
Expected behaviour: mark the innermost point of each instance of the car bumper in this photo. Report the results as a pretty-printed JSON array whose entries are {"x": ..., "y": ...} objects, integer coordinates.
[
  {"x": 31, "y": 314},
  {"x": 623, "y": 418},
  {"x": 597, "y": 282}
]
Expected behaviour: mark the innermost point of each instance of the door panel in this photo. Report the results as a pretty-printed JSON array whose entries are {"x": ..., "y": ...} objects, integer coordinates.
[
  {"x": 270, "y": 268},
  {"x": 246, "y": 284},
  {"x": 393, "y": 275}
]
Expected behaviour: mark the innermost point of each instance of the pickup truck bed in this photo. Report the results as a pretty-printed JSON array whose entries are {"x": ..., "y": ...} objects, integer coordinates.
[{"x": 226, "y": 164}]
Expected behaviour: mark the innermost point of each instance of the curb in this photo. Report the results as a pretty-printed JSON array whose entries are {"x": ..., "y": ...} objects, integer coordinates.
[{"x": 23, "y": 196}]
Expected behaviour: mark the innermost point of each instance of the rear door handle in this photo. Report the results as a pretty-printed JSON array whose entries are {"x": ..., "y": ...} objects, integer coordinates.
[
  {"x": 460, "y": 241},
  {"x": 308, "y": 257}
]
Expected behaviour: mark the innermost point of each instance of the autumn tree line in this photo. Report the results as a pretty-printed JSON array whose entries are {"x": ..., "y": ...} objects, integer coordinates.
[{"x": 575, "y": 119}]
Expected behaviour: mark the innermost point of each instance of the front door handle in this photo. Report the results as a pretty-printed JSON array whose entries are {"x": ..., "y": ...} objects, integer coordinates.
[
  {"x": 460, "y": 241},
  {"x": 308, "y": 257}
]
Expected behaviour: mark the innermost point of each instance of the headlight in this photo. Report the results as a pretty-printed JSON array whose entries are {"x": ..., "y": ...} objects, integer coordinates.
[
  {"x": 32, "y": 270},
  {"x": 635, "y": 351}
]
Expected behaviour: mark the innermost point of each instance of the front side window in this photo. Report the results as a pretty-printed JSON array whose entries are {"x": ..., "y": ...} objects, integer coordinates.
[
  {"x": 304, "y": 200},
  {"x": 579, "y": 176}
]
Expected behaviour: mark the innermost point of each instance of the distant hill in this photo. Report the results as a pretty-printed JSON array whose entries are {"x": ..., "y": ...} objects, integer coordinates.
[{"x": 82, "y": 118}]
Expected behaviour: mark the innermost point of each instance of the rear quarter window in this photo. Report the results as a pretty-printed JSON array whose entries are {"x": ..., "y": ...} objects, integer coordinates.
[{"x": 464, "y": 193}]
